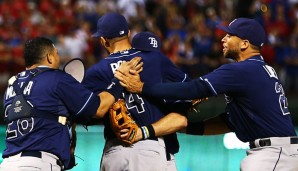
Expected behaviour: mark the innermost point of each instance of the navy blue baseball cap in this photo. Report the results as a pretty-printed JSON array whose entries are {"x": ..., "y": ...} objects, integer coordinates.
[
  {"x": 246, "y": 29},
  {"x": 111, "y": 25},
  {"x": 146, "y": 41}
]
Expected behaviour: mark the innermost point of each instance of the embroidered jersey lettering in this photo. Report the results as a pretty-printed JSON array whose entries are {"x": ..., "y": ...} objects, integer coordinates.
[{"x": 115, "y": 65}]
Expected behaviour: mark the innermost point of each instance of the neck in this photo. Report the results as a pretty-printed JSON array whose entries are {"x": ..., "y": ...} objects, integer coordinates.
[
  {"x": 120, "y": 46},
  {"x": 244, "y": 56},
  {"x": 37, "y": 65}
]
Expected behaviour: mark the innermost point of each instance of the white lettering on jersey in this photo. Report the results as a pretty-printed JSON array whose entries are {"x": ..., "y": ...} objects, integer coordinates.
[
  {"x": 271, "y": 72},
  {"x": 114, "y": 66},
  {"x": 153, "y": 42},
  {"x": 279, "y": 88},
  {"x": 28, "y": 88},
  {"x": 9, "y": 93},
  {"x": 283, "y": 102}
]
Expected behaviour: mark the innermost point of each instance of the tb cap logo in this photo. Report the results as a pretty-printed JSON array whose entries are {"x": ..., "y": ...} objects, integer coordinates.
[{"x": 153, "y": 42}]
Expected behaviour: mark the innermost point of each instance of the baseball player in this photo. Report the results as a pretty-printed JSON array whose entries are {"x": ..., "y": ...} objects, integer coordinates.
[
  {"x": 149, "y": 153},
  {"x": 257, "y": 109},
  {"x": 143, "y": 41},
  {"x": 39, "y": 105}
]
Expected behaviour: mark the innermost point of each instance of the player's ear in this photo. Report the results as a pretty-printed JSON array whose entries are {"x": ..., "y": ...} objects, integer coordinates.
[
  {"x": 104, "y": 42},
  {"x": 49, "y": 58},
  {"x": 244, "y": 44}
]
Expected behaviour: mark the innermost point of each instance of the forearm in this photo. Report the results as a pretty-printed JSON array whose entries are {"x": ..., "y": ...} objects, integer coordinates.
[
  {"x": 108, "y": 97},
  {"x": 182, "y": 91},
  {"x": 106, "y": 100},
  {"x": 171, "y": 123}
]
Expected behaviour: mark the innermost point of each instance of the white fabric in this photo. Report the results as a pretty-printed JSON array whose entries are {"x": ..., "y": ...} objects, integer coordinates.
[
  {"x": 280, "y": 156},
  {"x": 145, "y": 155},
  {"x": 48, "y": 162}
]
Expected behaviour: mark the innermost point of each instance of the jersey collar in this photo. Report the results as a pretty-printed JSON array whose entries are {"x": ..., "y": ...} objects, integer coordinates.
[{"x": 256, "y": 58}]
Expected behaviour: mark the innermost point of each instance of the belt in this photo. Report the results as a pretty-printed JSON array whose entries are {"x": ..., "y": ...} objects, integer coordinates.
[
  {"x": 38, "y": 154},
  {"x": 151, "y": 138},
  {"x": 31, "y": 154},
  {"x": 276, "y": 141}
]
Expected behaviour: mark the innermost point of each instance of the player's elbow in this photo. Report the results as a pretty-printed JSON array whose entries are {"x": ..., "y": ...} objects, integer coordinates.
[{"x": 183, "y": 122}]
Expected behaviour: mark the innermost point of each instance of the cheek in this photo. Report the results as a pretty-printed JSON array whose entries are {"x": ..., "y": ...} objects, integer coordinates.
[{"x": 232, "y": 45}]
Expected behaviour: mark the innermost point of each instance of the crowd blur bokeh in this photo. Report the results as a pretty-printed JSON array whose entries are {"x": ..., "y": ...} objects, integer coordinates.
[{"x": 187, "y": 29}]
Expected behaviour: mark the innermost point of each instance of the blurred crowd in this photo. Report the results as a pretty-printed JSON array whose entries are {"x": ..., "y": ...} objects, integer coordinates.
[{"x": 187, "y": 29}]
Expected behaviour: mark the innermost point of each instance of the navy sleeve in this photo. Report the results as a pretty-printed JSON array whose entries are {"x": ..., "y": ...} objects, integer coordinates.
[
  {"x": 94, "y": 80},
  {"x": 83, "y": 103},
  {"x": 194, "y": 89},
  {"x": 171, "y": 73},
  {"x": 228, "y": 78}
]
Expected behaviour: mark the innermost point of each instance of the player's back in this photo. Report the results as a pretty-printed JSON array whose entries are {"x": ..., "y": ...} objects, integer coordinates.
[
  {"x": 39, "y": 133},
  {"x": 144, "y": 110}
]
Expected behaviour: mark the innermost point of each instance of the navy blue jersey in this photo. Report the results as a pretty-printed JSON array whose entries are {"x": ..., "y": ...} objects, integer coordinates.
[
  {"x": 256, "y": 102},
  {"x": 157, "y": 68},
  {"x": 53, "y": 92}
]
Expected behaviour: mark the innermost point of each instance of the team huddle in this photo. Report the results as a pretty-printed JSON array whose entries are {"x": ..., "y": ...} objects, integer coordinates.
[{"x": 143, "y": 100}]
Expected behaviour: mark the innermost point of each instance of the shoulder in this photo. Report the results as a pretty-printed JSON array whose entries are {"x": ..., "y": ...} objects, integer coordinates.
[
  {"x": 230, "y": 66},
  {"x": 56, "y": 75}
]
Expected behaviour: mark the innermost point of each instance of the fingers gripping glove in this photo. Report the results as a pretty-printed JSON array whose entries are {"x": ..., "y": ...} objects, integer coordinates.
[{"x": 120, "y": 119}]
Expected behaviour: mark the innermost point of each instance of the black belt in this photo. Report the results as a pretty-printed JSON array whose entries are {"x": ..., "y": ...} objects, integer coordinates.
[
  {"x": 151, "y": 138},
  {"x": 31, "y": 154},
  {"x": 267, "y": 142},
  {"x": 38, "y": 155}
]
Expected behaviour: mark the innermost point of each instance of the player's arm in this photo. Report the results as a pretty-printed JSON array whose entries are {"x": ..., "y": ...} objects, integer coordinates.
[
  {"x": 107, "y": 99},
  {"x": 162, "y": 127},
  {"x": 195, "y": 89}
]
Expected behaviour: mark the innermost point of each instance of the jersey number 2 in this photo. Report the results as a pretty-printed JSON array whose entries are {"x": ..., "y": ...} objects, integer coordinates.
[{"x": 283, "y": 103}]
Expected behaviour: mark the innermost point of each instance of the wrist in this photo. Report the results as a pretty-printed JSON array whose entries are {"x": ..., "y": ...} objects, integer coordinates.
[
  {"x": 147, "y": 132},
  {"x": 115, "y": 88},
  {"x": 139, "y": 134}
]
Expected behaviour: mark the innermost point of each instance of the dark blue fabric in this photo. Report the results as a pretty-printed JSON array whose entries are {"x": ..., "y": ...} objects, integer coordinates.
[
  {"x": 256, "y": 102},
  {"x": 56, "y": 93},
  {"x": 157, "y": 68}
]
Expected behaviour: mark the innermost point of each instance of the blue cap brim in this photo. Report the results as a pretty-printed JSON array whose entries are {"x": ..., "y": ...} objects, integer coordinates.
[
  {"x": 225, "y": 28},
  {"x": 96, "y": 35}
]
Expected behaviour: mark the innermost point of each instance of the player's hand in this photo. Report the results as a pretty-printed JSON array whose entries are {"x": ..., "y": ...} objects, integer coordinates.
[
  {"x": 133, "y": 64},
  {"x": 130, "y": 81},
  {"x": 124, "y": 133}
]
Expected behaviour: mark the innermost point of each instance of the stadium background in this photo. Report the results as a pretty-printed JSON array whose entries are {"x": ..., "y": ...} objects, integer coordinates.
[{"x": 189, "y": 38}]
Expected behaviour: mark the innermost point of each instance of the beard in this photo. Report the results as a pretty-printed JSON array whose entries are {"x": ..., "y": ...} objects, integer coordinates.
[{"x": 232, "y": 54}]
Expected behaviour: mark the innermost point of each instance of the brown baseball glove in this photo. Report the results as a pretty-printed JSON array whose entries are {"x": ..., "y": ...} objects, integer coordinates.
[{"x": 121, "y": 119}]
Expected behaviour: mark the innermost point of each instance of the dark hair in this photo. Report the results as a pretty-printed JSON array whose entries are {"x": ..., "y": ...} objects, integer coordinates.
[{"x": 36, "y": 49}]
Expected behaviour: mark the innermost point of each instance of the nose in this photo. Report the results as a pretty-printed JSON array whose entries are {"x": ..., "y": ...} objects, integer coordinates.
[{"x": 224, "y": 38}]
